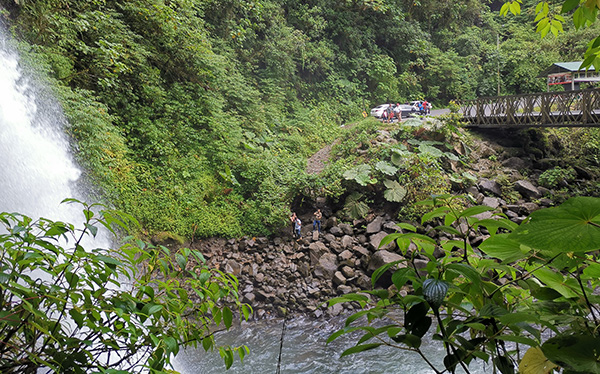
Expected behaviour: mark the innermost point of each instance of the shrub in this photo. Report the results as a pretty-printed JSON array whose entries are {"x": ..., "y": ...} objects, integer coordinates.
[
  {"x": 557, "y": 177},
  {"x": 76, "y": 310}
]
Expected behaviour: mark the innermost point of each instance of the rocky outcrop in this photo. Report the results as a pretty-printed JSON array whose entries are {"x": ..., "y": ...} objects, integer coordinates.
[{"x": 282, "y": 276}]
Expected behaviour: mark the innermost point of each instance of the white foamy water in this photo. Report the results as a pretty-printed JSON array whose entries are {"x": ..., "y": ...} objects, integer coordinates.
[{"x": 36, "y": 169}]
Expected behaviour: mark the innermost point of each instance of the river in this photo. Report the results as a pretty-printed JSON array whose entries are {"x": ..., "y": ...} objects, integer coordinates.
[{"x": 305, "y": 351}]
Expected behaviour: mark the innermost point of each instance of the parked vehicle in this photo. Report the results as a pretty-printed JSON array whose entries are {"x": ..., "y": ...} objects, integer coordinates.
[
  {"x": 407, "y": 110},
  {"x": 415, "y": 105},
  {"x": 377, "y": 112}
]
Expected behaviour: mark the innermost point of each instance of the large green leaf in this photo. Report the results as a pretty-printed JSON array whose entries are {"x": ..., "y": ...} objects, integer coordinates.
[
  {"x": 359, "y": 173},
  {"x": 432, "y": 151},
  {"x": 501, "y": 247},
  {"x": 386, "y": 168},
  {"x": 395, "y": 191},
  {"x": 579, "y": 353},
  {"x": 572, "y": 227}
]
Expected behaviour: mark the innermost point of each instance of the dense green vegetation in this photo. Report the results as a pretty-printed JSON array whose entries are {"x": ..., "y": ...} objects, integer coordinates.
[
  {"x": 197, "y": 116},
  {"x": 70, "y": 309}
]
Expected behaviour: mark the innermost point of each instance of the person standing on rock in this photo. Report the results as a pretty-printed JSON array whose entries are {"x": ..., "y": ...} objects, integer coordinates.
[
  {"x": 298, "y": 228},
  {"x": 293, "y": 222},
  {"x": 317, "y": 220}
]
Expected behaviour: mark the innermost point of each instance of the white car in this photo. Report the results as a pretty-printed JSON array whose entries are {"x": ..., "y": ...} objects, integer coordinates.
[
  {"x": 377, "y": 112},
  {"x": 407, "y": 110}
]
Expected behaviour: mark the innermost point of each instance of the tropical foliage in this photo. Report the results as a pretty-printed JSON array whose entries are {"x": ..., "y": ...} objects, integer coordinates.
[
  {"x": 522, "y": 298},
  {"x": 197, "y": 117},
  {"x": 69, "y": 309}
]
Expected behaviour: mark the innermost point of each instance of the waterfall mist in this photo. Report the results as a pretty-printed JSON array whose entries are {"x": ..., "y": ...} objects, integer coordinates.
[{"x": 37, "y": 171}]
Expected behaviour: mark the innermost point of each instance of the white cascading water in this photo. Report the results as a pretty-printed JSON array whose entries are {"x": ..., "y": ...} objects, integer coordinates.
[{"x": 36, "y": 169}]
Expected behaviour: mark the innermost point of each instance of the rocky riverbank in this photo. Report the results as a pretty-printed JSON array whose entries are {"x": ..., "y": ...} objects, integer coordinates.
[{"x": 281, "y": 276}]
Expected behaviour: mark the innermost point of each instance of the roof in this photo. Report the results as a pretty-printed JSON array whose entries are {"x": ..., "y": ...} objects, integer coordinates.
[{"x": 564, "y": 67}]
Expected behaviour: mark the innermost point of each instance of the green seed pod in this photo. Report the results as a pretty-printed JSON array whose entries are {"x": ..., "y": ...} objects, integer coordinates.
[{"x": 435, "y": 291}]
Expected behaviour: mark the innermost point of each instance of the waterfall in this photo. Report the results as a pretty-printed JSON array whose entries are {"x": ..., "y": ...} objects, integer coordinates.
[{"x": 36, "y": 169}]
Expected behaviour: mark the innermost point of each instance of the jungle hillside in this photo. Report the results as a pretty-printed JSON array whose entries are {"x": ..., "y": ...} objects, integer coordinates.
[{"x": 197, "y": 117}]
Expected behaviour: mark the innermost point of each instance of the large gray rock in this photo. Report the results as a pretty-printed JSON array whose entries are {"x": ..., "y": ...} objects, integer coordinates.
[
  {"x": 316, "y": 250},
  {"x": 362, "y": 251},
  {"x": 516, "y": 163},
  {"x": 337, "y": 231},
  {"x": 345, "y": 256},
  {"x": 530, "y": 207},
  {"x": 233, "y": 267},
  {"x": 347, "y": 241},
  {"x": 376, "y": 239},
  {"x": 527, "y": 189},
  {"x": 346, "y": 228},
  {"x": 326, "y": 267},
  {"x": 492, "y": 202},
  {"x": 338, "y": 278},
  {"x": 348, "y": 272},
  {"x": 375, "y": 225},
  {"x": 383, "y": 257},
  {"x": 486, "y": 185}
]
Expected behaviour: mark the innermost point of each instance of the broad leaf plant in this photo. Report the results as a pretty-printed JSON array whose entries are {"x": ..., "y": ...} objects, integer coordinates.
[
  {"x": 69, "y": 309},
  {"x": 523, "y": 299}
]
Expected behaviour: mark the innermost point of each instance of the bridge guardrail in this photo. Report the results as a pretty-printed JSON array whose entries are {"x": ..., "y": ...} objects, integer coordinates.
[{"x": 579, "y": 108}]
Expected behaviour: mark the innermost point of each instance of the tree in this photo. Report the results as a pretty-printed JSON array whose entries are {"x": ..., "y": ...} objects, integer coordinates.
[
  {"x": 516, "y": 289},
  {"x": 67, "y": 309},
  {"x": 550, "y": 19}
]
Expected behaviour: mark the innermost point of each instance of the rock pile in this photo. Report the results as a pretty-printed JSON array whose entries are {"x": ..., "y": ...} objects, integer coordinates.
[{"x": 281, "y": 276}]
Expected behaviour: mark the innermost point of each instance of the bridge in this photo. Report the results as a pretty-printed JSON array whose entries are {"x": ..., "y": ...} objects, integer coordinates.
[{"x": 549, "y": 109}]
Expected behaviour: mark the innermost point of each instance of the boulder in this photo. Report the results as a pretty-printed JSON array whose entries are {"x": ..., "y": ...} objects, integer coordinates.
[
  {"x": 326, "y": 267},
  {"x": 527, "y": 189},
  {"x": 336, "y": 247},
  {"x": 233, "y": 267},
  {"x": 315, "y": 236},
  {"x": 375, "y": 225},
  {"x": 336, "y": 231},
  {"x": 362, "y": 251},
  {"x": 316, "y": 250},
  {"x": 348, "y": 272},
  {"x": 335, "y": 310},
  {"x": 489, "y": 186},
  {"x": 376, "y": 239},
  {"x": 530, "y": 207},
  {"x": 516, "y": 163},
  {"x": 344, "y": 256},
  {"x": 338, "y": 278},
  {"x": 249, "y": 298},
  {"x": 328, "y": 238},
  {"x": 391, "y": 226},
  {"x": 344, "y": 289},
  {"x": 364, "y": 282},
  {"x": 383, "y": 257},
  {"x": 346, "y": 228},
  {"x": 492, "y": 202},
  {"x": 347, "y": 241}
]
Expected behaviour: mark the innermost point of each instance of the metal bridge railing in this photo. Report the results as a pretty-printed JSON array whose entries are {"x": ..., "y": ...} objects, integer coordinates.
[{"x": 550, "y": 109}]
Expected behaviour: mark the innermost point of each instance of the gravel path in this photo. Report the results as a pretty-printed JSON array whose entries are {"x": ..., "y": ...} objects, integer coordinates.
[{"x": 316, "y": 163}]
